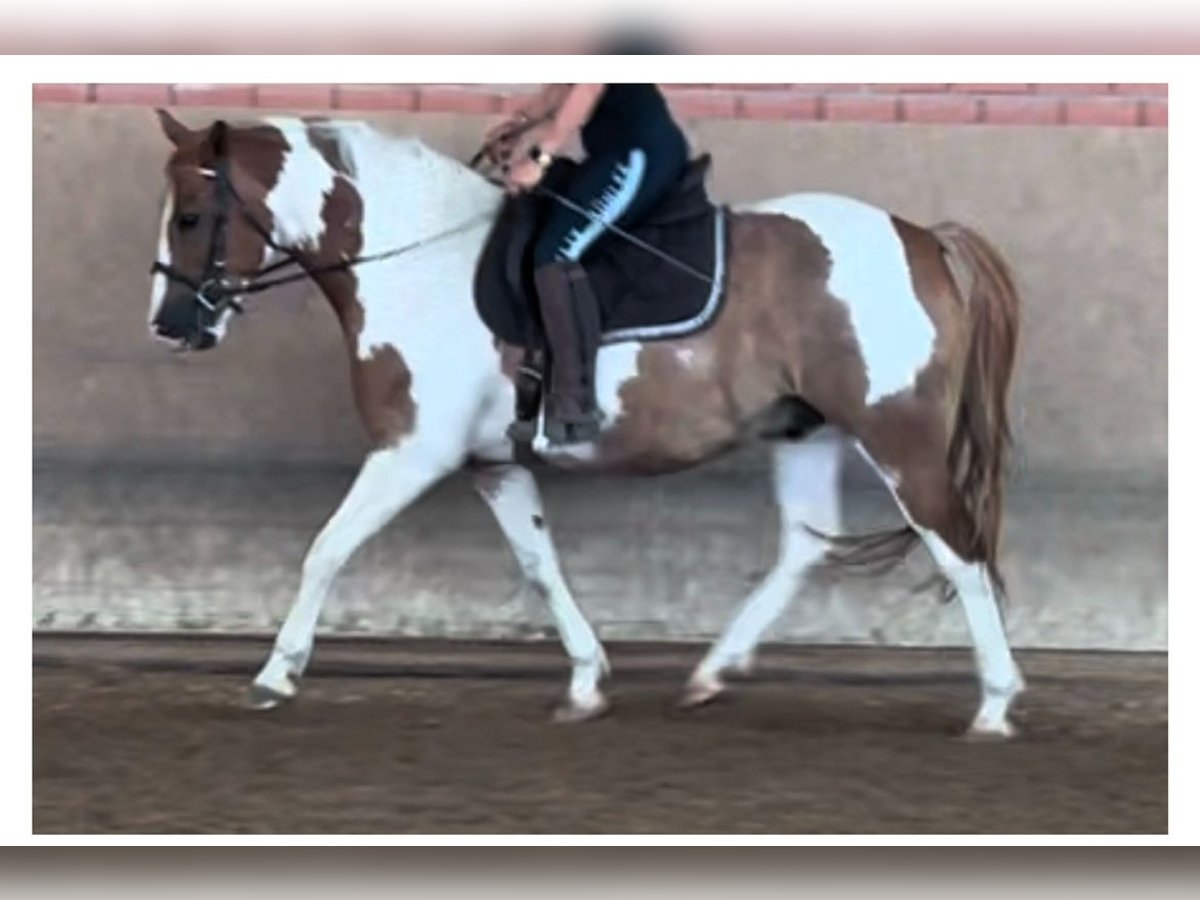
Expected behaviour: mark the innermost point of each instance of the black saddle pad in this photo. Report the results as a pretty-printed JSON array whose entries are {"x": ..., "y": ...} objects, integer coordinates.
[{"x": 642, "y": 296}]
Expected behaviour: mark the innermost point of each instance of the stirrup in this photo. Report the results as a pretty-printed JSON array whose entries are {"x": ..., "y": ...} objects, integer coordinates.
[
  {"x": 522, "y": 431},
  {"x": 578, "y": 431}
]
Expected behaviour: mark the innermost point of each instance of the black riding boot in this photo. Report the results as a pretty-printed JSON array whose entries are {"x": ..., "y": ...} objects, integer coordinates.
[{"x": 571, "y": 318}]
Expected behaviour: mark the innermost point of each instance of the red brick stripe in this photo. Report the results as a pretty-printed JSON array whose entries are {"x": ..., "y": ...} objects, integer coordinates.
[
  {"x": 1018, "y": 110},
  {"x": 235, "y": 95},
  {"x": 1079, "y": 103},
  {"x": 865, "y": 108},
  {"x": 945, "y": 108},
  {"x": 1154, "y": 114},
  {"x": 135, "y": 94},
  {"x": 366, "y": 97},
  {"x": 1109, "y": 111},
  {"x": 300, "y": 97},
  {"x": 62, "y": 93}
]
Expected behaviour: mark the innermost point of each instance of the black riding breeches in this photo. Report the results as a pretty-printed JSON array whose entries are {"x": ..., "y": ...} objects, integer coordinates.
[{"x": 618, "y": 187}]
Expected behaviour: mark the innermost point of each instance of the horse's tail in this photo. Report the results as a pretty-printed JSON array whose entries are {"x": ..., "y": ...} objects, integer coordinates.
[{"x": 980, "y": 437}]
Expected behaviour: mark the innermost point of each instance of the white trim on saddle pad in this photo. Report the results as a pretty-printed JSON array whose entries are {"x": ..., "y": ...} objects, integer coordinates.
[{"x": 693, "y": 324}]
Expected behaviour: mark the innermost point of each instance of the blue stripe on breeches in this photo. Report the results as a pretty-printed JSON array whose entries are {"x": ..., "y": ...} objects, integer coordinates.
[{"x": 613, "y": 188}]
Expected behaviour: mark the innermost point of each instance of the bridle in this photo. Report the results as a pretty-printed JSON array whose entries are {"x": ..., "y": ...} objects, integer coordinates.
[{"x": 217, "y": 291}]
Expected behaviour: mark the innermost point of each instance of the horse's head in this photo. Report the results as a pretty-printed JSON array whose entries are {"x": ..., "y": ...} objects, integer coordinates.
[{"x": 215, "y": 230}]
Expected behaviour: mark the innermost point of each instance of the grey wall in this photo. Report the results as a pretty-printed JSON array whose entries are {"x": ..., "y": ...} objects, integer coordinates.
[
  {"x": 159, "y": 501},
  {"x": 1079, "y": 212}
]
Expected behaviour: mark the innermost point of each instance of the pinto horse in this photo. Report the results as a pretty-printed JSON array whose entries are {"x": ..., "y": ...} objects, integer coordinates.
[{"x": 842, "y": 326}]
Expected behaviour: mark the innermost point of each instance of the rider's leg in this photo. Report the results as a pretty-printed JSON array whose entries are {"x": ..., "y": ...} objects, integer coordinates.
[{"x": 607, "y": 186}]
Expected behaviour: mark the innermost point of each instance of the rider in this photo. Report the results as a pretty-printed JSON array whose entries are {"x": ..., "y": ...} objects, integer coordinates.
[{"x": 635, "y": 153}]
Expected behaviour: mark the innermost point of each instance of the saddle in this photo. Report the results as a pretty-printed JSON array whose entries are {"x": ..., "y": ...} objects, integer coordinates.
[{"x": 642, "y": 296}]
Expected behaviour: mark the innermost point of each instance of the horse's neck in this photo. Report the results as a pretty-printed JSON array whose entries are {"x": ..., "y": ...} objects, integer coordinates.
[
  {"x": 404, "y": 195},
  {"x": 410, "y": 193}
]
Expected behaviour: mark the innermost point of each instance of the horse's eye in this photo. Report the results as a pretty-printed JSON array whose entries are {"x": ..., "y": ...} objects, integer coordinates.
[{"x": 185, "y": 220}]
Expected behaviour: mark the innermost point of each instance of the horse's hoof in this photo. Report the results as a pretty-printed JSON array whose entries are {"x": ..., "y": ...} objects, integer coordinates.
[
  {"x": 262, "y": 697},
  {"x": 575, "y": 711},
  {"x": 989, "y": 733},
  {"x": 701, "y": 691}
]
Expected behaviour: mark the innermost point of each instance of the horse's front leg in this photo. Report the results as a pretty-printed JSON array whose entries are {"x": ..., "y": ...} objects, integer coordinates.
[
  {"x": 390, "y": 479},
  {"x": 511, "y": 493}
]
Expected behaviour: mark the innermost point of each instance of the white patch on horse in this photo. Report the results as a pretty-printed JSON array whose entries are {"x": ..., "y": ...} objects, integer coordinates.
[
  {"x": 390, "y": 480},
  {"x": 870, "y": 275},
  {"x": 806, "y": 483},
  {"x": 512, "y": 495},
  {"x": 409, "y": 195},
  {"x": 420, "y": 303},
  {"x": 615, "y": 366},
  {"x": 298, "y": 197},
  {"x": 158, "y": 284}
]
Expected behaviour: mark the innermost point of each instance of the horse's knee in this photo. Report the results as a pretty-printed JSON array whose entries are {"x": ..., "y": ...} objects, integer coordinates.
[{"x": 322, "y": 562}]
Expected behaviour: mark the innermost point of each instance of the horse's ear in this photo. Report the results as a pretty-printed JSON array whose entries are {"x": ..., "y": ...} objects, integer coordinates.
[
  {"x": 217, "y": 136},
  {"x": 175, "y": 130}
]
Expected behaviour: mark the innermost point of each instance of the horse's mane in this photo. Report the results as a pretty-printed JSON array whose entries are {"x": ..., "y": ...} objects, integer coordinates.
[{"x": 358, "y": 145}]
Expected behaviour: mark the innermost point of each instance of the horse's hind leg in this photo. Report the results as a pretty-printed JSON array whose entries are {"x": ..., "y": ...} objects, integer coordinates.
[
  {"x": 389, "y": 480},
  {"x": 935, "y": 510},
  {"x": 511, "y": 493},
  {"x": 806, "y": 475}
]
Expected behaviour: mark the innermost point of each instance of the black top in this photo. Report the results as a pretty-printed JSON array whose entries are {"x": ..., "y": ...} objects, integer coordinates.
[{"x": 626, "y": 115}]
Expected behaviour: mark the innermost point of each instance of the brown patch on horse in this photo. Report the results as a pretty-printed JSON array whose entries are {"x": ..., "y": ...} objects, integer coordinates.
[
  {"x": 257, "y": 152},
  {"x": 341, "y": 239},
  {"x": 947, "y": 441},
  {"x": 781, "y": 335},
  {"x": 383, "y": 394},
  {"x": 908, "y": 433},
  {"x": 382, "y": 383}
]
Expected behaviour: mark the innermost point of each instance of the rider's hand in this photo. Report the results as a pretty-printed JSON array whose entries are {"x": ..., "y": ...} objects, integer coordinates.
[
  {"x": 523, "y": 175},
  {"x": 501, "y": 138}
]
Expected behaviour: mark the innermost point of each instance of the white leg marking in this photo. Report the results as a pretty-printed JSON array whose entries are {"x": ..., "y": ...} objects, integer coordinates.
[
  {"x": 870, "y": 274},
  {"x": 806, "y": 490},
  {"x": 389, "y": 481},
  {"x": 999, "y": 676},
  {"x": 1000, "y": 679},
  {"x": 510, "y": 491}
]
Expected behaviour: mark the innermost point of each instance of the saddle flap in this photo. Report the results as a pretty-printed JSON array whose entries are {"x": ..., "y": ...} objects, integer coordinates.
[
  {"x": 687, "y": 200},
  {"x": 635, "y": 289}
]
